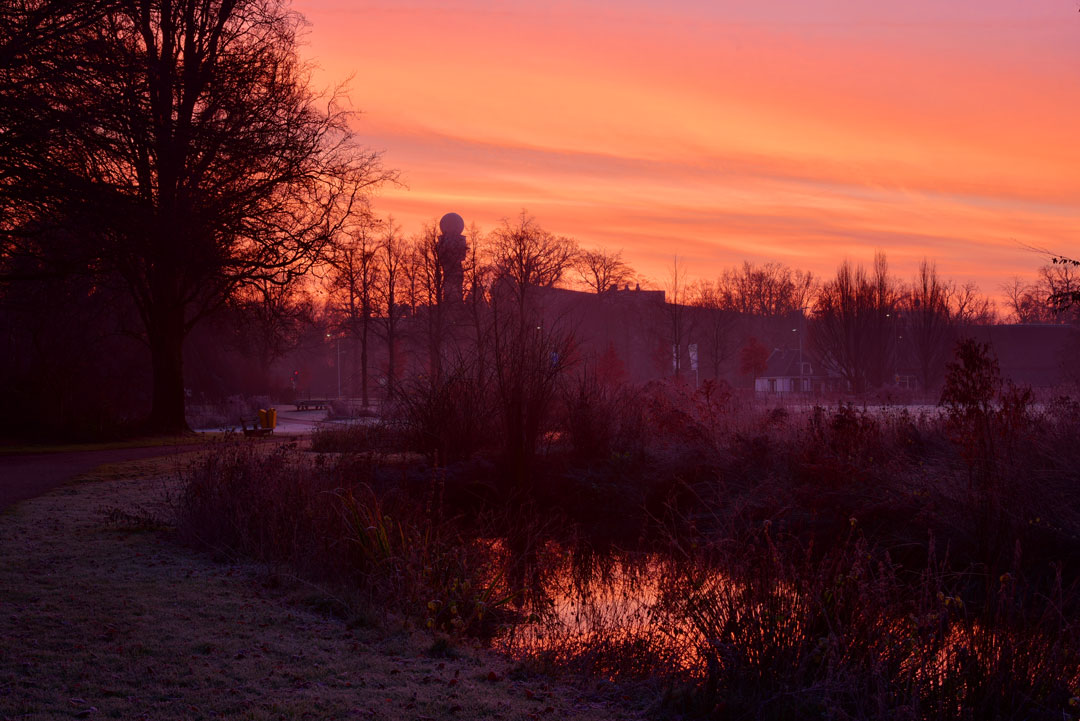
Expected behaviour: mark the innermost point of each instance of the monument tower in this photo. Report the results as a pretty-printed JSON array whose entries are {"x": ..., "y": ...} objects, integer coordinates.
[{"x": 452, "y": 251}]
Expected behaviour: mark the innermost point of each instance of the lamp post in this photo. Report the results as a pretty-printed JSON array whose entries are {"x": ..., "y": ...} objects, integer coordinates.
[
  {"x": 337, "y": 340},
  {"x": 799, "y": 332}
]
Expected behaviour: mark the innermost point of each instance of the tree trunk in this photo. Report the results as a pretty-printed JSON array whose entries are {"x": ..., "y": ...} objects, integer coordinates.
[
  {"x": 391, "y": 350},
  {"x": 364, "y": 362},
  {"x": 167, "y": 359}
]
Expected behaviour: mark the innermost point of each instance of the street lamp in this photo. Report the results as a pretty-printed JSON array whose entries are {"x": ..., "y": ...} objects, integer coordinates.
[{"x": 338, "y": 342}]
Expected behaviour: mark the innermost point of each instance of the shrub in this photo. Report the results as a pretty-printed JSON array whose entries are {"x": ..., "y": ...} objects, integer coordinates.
[
  {"x": 312, "y": 515},
  {"x": 364, "y": 436},
  {"x": 447, "y": 418}
]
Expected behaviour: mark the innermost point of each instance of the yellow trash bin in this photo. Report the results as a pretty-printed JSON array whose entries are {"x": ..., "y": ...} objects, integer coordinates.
[
  {"x": 264, "y": 419},
  {"x": 273, "y": 417}
]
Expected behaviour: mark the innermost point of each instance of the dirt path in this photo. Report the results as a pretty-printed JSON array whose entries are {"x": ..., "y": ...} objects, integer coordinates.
[{"x": 30, "y": 475}]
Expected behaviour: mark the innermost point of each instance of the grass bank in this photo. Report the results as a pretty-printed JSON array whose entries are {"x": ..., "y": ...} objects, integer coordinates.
[{"x": 104, "y": 615}]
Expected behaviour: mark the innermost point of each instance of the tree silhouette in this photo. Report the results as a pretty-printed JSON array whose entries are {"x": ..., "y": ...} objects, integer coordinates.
[
  {"x": 1063, "y": 283},
  {"x": 525, "y": 256},
  {"x": 355, "y": 269},
  {"x": 601, "y": 270},
  {"x": 753, "y": 358},
  {"x": 393, "y": 258},
  {"x": 855, "y": 325},
  {"x": 42, "y": 63},
  {"x": 929, "y": 324},
  {"x": 188, "y": 158},
  {"x": 529, "y": 349}
]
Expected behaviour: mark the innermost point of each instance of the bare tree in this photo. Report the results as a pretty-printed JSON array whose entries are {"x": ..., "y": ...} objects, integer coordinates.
[
  {"x": 43, "y": 65},
  {"x": 393, "y": 258},
  {"x": 928, "y": 324},
  {"x": 675, "y": 309},
  {"x": 528, "y": 363},
  {"x": 601, "y": 270},
  {"x": 1053, "y": 297},
  {"x": 529, "y": 349},
  {"x": 354, "y": 273},
  {"x": 199, "y": 162},
  {"x": 885, "y": 327},
  {"x": 839, "y": 325},
  {"x": 267, "y": 320},
  {"x": 525, "y": 256},
  {"x": 772, "y": 290},
  {"x": 1060, "y": 283},
  {"x": 1027, "y": 302},
  {"x": 427, "y": 289},
  {"x": 854, "y": 324},
  {"x": 478, "y": 278},
  {"x": 717, "y": 324},
  {"x": 968, "y": 307}
]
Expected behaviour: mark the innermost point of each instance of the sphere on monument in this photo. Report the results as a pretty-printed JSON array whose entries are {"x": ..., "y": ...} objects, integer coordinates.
[{"x": 452, "y": 225}]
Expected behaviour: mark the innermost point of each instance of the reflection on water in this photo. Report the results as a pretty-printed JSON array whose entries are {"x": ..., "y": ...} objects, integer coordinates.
[
  {"x": 634, "y": 615},
  {"x": 609, "y": 616},
  {"x": 590, "y": 615}
]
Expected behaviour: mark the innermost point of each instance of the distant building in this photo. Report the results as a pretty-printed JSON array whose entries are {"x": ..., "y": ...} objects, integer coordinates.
[
  {"x": 793, "y": 371},
  {"x": 1032, "y": 354}
]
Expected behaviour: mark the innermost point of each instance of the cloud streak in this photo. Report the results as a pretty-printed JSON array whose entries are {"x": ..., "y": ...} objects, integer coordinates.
[{"x": 803, "y": 131}]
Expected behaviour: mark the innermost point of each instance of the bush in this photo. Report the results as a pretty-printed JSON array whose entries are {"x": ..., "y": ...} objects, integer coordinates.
[
  {"x": 366, "y": 436},
  {"x": 314, "y": 516},
  {"x": 446, "y": 418}
]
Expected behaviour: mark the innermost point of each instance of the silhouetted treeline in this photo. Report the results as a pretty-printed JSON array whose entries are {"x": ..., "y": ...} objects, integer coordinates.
[{"x": 76, "y": 341}]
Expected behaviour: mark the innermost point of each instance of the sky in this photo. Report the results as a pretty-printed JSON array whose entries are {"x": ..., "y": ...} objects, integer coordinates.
[{"x": 801, "y": 131}]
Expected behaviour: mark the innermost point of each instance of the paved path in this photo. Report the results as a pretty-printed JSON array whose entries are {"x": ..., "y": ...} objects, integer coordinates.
[{"x": 30, "y": 475}]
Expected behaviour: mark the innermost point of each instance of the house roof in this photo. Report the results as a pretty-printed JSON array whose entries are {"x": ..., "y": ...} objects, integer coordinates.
[{"x": 786, "y": 362}]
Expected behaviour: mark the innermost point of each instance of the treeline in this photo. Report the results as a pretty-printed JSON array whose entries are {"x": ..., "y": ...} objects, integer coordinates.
[
  {"x": 861, "y": 324},
  {"x": 377, "y": 294}
]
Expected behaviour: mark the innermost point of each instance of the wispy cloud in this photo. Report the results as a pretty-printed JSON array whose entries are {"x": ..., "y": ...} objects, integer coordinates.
[{"x": 807, "y": 131}]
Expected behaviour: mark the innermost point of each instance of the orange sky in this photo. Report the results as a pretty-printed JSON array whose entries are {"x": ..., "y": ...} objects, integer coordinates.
[{"x": 806, "y": 131}]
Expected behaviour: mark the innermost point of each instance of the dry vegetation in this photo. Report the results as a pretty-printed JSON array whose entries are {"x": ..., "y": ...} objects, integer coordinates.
[
  {"x": 724, "y": 561},
  {"x": 758, "y": 563},
  {"x": 104, "y": 615}
]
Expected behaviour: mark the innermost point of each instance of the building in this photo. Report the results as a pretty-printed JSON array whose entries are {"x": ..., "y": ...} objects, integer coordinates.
[{"x": 793, "y": 371}]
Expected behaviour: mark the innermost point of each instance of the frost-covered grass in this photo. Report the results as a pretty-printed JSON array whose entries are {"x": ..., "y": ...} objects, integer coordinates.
[
  {"x": 135, "y": 442},
  {"x": 104, "y": 615}
]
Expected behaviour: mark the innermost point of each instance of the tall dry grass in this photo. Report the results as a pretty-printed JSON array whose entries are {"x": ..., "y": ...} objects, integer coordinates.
[{"x": 321, "y": 517}]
